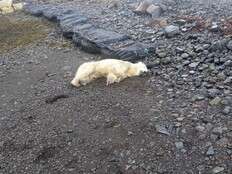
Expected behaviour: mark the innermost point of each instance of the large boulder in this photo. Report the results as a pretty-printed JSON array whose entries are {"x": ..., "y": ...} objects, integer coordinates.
[
  {"x": 36, "y": 10},
  {"x": 67, "y": 25},
  {"x": 94, "y": 39},
  {"x": 56, "y": 12}
]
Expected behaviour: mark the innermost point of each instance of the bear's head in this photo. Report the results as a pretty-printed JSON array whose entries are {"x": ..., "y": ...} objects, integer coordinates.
[{"x": 141, "y": 67}]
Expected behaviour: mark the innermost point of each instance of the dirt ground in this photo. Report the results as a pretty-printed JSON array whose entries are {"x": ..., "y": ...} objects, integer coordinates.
[{"x": 137, "y": 126}]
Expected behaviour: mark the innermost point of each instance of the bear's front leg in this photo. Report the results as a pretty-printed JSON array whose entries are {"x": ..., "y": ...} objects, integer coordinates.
[
  {"x": 75, "y": 82},
  {"x": 111, "y": 78}
]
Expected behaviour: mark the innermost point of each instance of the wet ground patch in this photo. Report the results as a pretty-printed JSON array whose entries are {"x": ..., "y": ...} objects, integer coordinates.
[{"x": 21, "y": 31}]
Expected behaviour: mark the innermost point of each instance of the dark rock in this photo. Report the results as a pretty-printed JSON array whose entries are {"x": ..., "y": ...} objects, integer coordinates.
[
  {"x": 219, "y": 45},
  {"x": 35, "y": 10},
  {"x": 68, "y": 25},
  {"x": 133, "y": 52},
  {"x": 94, "y": 39}
]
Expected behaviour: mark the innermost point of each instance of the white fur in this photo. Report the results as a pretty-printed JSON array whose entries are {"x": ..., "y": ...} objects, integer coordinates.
[{"x": 114, "y": 70}]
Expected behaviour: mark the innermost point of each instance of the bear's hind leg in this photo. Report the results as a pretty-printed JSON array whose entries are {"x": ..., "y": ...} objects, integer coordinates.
[{"x": 111, "y": 78}]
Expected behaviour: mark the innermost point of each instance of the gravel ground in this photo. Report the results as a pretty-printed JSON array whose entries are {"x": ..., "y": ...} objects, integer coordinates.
[{"x": 177, "y": 120}]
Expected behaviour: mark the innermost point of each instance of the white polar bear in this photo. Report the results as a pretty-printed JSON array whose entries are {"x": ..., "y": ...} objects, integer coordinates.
[{"x": 114, "y": 70}]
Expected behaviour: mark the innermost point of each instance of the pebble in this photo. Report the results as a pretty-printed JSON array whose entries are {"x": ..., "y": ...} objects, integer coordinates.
[
  {"x": 193, "y": 65},
  {"x": 216, "y": 101},
  {"x": 210, "y": 151},
  {"x": 229, "y": 45},
  {"x": 179, "y": 145},
  {"x": 219, "y": 130},
  {"x": 226, "y": 110},
  {"x": 171, "y": 30},
  {"x": 218, "y": 169}
]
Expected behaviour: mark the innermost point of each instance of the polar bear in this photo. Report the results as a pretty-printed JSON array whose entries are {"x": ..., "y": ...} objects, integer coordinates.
[{"x": 114, "y": 70}]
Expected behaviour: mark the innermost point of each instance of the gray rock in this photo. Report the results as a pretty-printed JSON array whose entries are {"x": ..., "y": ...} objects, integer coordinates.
[
  {"x": 162, "y": 54},
  {"x": 218, "y": 169},
  {"x": 216, "y": 101},
  {"x": 214, "y": 27},
  {"x": 154, "y": 11},
  {"x": 200, "y": 128},
  {"x": 228, "y": 80},
  {"x": 179, "y": 145},
  {"x": 219, "y": 45},
  {"x": 229, "y": 45},
  {"x": 166, "y": 60},
  {"x": 226, "y": 110},
  {"x": 212, "y": 93},
  {"x": 185, "y": 55},
  {"x": 180, "y": 22},
  {"x": 219, "y": 130},
  {"x": 223, "y": 142},
  {"x": 198, "y": 97},
  {"x": 210, "y": 151},
  {"x": 193, "y": 65},
  {"x": 171, "y": 30},
  {"x": 162, "y": 129}
]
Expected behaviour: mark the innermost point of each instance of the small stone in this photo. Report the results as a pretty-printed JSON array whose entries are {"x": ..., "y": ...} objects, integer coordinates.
[
  {"x": 180, "y": 118},
  {"x": 216, "y": 101},
  {"x": 198, "y": 98},
  {"x": 154, "y": 10},
  {"x": 171, "y": 30},
  {"x": 212, "y": 67},
  {"x": 179, "y": 50},
  {"x": 113, "y": 4},
  {"x": 223, "y": 142},
  {"x": 210, "y": 151},
  {"x": 214, "y": 27},
  {"x": 200, "y": 128},
  {"x": 162, "y": 129},
  {"x": 162, "y": 54},
  {"x": 193, "y": 65},
  {"x": 180, "y": 22},
  {"x": 218, "y": 169},
  {"x": 226, "y": 110},
  {"x": 228, "y": 80},
  {"x": 179, "y": 145},
  {"x": 219, "y": 130},
  {"x": 166, "y": 60},
  {"x": 185, "y": 55},
  {"x": 229, "y": 45},
  {"x": 142, "y": 8},
  {"x": 212, "y": 93}
]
